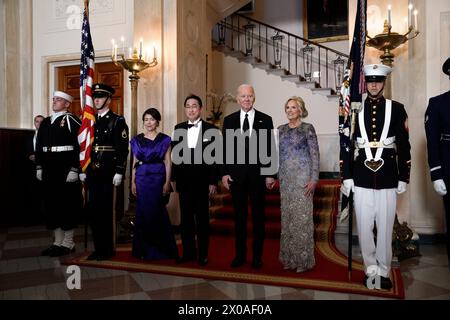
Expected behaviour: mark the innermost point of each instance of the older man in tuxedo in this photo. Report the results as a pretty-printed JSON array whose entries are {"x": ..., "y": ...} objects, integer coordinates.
[{"x": 246, "y": 178}]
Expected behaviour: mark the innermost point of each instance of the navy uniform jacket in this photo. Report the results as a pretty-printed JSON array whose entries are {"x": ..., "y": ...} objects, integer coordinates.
[
  {"x": 397, "y": 162},
  {"x": 110, "y": 132},
  {"x": 437, "y": 128},
  {"x": 187, "y": 175},
  {"x": 62, "y": 133}
]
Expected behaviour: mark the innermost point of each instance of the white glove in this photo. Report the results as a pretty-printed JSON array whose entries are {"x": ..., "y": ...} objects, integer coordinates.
[
  {"x": 401, "y": 188},
  {"x": 344, "y": 215},
  {"x": 82, "y": 177},
  {"x": 347, "y": 186},
  {"x": 439, "y": 187},
  {"x": 39, "y": 174},
  {"x": 117, "y": 180},
  {"x": 72, "y": 176}
]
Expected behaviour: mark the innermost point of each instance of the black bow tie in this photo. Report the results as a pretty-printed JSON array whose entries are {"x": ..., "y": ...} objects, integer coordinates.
[{"x": 192, "y": 125}]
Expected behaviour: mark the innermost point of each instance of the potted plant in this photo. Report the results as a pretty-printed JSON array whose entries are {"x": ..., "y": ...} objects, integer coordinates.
[{"x": 218, "y": 103}]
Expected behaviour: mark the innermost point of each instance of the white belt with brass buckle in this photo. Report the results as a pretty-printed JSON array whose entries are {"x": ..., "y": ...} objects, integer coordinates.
[
  {"x": 57, "y": 149},
  {"x": 375, "y": 144}
]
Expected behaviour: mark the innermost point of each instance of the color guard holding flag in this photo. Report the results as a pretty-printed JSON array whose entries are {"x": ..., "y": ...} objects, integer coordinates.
[
  {"x": 103, "y": 140},
  {"x": 378, "y": 171}
]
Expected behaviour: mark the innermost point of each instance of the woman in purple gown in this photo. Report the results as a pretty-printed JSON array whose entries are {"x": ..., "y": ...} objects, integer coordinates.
[{"x": 153, "y": 237}]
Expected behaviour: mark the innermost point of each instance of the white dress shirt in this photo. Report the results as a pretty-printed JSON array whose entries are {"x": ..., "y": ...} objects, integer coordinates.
[{"x": 194, "y": 132}]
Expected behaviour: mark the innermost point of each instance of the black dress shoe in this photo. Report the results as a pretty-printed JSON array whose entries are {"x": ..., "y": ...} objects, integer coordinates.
[
  {"x": 237, "y": 262},
  {"x": 102, "y": 257},
  {"x": 257, "y": 264},
  {"x": 61, "y": 251},
  {"x": 385, "y": 283},
  {"x": 49, "y": 250},
  {"x": 92, "y": 256},
  {"x": 184, "y": 259},
  {"x": 203, "y": 262}
]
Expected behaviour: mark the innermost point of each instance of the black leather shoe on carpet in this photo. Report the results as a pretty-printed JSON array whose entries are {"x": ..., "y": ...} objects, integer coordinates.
[
  {"x": 237, "y": 262},
  {"x": 61, "y": 251},
  {"x": 203, "y": 261},
  {"x": 385, "y": 283},
  {"x": 49, "y": 250},
  {"x": 92, "y": 256},
  {"x": 257, "y": 264}
]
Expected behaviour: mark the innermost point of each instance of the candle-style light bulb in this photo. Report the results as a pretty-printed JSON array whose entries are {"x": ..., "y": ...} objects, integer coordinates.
[
  {"x": 115, "y": 52},
  {"x": 415, "y": 19},
  {"x": 122, "y": 40},
  {"x": 141, "y": 43},
  {"x": 113, "y": 42},
  {"x": 410, "y": 7},
  {"x": 389, "y": 14}
]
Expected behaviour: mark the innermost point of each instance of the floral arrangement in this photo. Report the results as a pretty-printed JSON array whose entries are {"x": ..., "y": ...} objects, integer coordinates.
[{"x": 218, "y": 103}]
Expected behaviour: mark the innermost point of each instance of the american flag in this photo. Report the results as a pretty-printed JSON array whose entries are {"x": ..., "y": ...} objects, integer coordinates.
[
  {"x": 86, "y": 133},
  {"x": 352, "y": 88}
]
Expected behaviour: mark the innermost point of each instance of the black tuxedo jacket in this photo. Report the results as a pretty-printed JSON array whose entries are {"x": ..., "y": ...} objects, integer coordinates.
[
  {"x": 261, "y": 122},
  {"x": 188, "y": 175}
]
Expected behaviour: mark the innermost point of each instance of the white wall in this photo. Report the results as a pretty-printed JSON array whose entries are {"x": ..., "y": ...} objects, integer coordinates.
[
  {"x": 55, "y": 44},
  {"x": 271, "y": 94},
  {"x": 287, "y": 15}
]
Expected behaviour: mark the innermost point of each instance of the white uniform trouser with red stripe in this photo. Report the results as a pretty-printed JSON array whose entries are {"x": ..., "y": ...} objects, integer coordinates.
[{"x": 378, "y": 206}]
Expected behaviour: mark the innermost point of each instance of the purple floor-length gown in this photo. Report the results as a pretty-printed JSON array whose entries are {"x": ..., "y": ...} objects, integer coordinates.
[{"x": 153, "y": 237}]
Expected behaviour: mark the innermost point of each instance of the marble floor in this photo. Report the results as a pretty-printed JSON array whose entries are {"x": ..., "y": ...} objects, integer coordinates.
[{"x": 25, "y": 275}]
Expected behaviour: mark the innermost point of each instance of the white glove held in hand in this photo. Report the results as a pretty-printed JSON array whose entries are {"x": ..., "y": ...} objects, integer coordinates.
[
  {"x": 39, "y": 174},
  {"x": 401, "y": 188},
  {"x": 82, "y": 177},
  {"x": 347, "y": 186},
  {"x": 117, "y": 180},
  {"x": 440, "y": 187},
  {"x": 72, "y": 176}
]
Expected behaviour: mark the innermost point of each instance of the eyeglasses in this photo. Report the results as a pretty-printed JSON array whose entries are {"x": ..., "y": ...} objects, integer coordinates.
[
  {"x": 250, "y": 96},
  {"x": 192, "y": 107}
]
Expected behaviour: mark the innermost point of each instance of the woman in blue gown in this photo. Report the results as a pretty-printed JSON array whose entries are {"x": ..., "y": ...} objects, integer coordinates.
[{"x": 153, "y": 237}]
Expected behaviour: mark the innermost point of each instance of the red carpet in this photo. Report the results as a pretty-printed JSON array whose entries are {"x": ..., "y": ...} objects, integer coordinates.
[{"x": 330, "y": 273}]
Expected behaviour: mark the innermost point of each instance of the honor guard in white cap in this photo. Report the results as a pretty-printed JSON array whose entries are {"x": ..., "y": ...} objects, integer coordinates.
[
  {"x": 437, "y": 128},
  {"x": 57, "y": 164},
  {"x": 380, "y": 171},
  {"x": 108, "y": 165}
]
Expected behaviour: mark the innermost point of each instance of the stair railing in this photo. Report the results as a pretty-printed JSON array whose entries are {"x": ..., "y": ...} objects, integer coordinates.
[{"x": 308, "y": 60}]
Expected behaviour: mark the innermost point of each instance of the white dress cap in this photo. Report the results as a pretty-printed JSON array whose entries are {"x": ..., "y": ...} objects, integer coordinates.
[{"x": 63, "y": 95}]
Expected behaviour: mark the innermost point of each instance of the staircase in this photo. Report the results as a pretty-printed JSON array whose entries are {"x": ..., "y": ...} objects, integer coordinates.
[{"x": 306, "y": 63}]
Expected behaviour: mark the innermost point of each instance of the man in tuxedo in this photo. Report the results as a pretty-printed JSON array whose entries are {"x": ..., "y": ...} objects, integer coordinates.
[
  {"x": 31, "y": 148},
  {"x": 245, "y": 177},
  {"x": 195, "y": 181},
  {"x": 437, "y": 127}
]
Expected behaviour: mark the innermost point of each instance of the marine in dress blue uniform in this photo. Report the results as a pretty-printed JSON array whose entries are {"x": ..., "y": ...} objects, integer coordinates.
[
  {"x": 57, "y": 166},
  {"x": 437, "y": 128},
  {"x": 106, "y": 170},
  {"x": 381, "y": 168}
]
